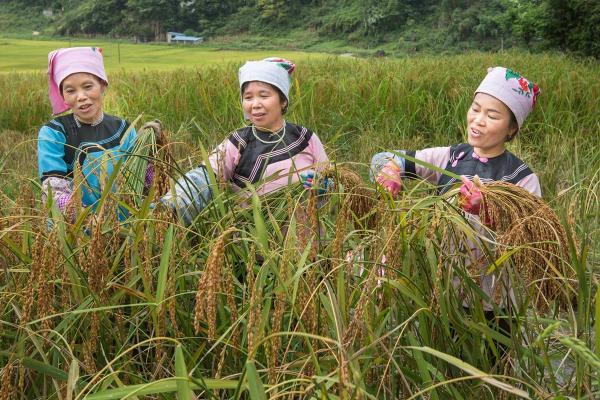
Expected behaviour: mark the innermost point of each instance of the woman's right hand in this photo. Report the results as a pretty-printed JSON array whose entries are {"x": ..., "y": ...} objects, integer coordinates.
[
  {"x": 389, "y": 178},
  {"x": 470, "y": 196}
]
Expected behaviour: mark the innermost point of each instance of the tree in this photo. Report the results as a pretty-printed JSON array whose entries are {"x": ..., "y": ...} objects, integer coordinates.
[
  {"x": 573, "y": 25},
  {"x": 153, "y": 14}
]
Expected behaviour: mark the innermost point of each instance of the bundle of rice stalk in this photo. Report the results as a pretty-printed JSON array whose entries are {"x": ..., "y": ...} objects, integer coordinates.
[
  {"x": 360, "y": 197},
  {"x": 522, "y": 219},
  {"x": 150, "y": 160}
]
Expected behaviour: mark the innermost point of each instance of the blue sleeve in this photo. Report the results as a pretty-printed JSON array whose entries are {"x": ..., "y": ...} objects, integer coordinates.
[
  {"x": 128, "y": 141},
  {"x": 51, "y": 153},
  {"x": 192, "y": 193},
  {"x": 380, "y": 159}
]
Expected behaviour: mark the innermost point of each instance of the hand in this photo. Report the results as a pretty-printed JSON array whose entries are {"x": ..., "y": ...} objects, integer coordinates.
[
  {"x": 389, "y": 178},
  {"x": 309, "y": 176},
  {"x": 470, "y": 196},
  {"x": 157, "y": 128}
]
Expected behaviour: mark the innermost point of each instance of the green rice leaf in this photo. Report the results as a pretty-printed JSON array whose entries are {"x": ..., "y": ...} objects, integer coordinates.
[
  {"x": 183, "y": 384},
  {"x": 255, "y": 385}
]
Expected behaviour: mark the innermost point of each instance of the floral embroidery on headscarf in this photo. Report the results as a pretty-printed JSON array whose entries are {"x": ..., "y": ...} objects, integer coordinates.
[
  {"x": 288, "y": 65},
  {"x": 526, "y": 88}
]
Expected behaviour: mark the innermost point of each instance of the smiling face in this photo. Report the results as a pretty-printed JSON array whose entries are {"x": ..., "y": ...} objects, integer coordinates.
[
  {"x": 262, "y": 104},
  {"x": 83, "y": 94},
  {"x": 489, "y": 125}
]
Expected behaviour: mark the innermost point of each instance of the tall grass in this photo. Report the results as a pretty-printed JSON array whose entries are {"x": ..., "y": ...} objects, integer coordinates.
[
  {"x": 358, "y": 106},
  {"x": 275, "y": 297}
]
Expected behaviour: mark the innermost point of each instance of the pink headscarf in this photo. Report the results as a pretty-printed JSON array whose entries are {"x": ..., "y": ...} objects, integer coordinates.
[
  {"x": 514, "y": 90},
  {"x": 64, "y": 62}
]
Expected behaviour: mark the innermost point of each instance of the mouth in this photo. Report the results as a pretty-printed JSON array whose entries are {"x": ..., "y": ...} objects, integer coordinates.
[
  {"x": 475, "y": 133},
  {"x": 85, "y": 107},
  {"x": 258, "y": 115}
]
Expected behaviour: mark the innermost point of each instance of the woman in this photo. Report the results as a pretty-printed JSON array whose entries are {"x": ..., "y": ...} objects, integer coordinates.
[
  {"x": 269, "y": 153},
  {"x": 96, "y": 141},
  {"x": 499, "y": 108}
]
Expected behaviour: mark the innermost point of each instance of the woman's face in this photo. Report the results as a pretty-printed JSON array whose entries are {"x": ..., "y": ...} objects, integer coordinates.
[
  {"x": 489, "y": 125},
  {"x": 83, "y": 94},
  {"x": 262, "y": 105}
]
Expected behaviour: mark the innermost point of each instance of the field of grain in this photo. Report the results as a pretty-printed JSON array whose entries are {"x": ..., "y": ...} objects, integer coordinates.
[{"x": 279, "y": 298}]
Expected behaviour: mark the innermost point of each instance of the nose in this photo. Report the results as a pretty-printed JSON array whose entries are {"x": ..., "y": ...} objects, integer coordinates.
[
  {"x": 81, "y": 95},
  {"x": 479, "y": 118}
]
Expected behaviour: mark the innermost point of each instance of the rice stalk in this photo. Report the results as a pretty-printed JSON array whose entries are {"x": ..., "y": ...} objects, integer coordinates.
[
  {"x": 209, "y": 285},
  {"x": 521, "y": 219},
  {"x": 6, "y": 387}
]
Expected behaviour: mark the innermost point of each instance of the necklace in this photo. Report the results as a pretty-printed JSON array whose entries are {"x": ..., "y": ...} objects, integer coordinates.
[
  {"x": 96, "y": 122},
  {"x": 280, "y": 133}
]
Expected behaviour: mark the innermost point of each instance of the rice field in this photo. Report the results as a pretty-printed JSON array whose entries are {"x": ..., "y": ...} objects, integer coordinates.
[
  {"x": 347, "y": 296},
  {"x": 21, "y": 55}
]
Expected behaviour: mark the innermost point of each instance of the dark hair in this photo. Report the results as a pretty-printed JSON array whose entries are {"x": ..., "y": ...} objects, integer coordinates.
[
  {"x": 97, "y": 78},
  {"x": 282, "y": 97},
  {"x": 513, "y": 124}
]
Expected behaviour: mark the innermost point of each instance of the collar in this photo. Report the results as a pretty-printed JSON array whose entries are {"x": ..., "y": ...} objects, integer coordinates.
[{"x": 95, "y": 123}]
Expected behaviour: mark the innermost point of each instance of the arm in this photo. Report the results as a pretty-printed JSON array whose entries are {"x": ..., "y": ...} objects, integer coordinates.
[
  {"x": 437, "y": 156},
  {"x": 532, "y": 184},
  {"x": 320, "y": 163},
  {"x": 317, "y": 150},
  {"x": 223, "y": 160},
  {"x": 192, "y": 191},
  {"x": 52, "y": 168},
  {"x": 62, "y": 190}
]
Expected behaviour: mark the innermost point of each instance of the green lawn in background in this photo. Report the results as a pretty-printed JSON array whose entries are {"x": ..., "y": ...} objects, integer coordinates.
[{"x": 20, "y": 55}]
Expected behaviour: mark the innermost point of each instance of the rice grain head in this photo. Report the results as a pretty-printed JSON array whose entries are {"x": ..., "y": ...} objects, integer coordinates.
[{"x": 521, "y": 219}]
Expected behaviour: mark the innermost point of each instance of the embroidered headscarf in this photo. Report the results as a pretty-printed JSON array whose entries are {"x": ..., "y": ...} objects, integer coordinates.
[
  {"x": 516, "y": 92},
  {"x": 272, "y": 70},
  {"x": 64, "y": 62}
]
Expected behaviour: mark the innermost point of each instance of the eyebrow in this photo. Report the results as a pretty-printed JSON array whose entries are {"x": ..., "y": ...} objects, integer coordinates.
[
  {"x": 489, "y": 109},
  {"x": 261, "y": 91}
]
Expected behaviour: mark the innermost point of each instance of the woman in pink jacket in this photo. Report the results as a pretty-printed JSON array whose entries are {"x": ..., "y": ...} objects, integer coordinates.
[{"x": 269, "y": 153}]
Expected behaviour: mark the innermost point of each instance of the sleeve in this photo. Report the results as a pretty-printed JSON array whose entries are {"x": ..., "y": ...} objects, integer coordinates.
[
  {"x": 316, "y": 148},
  {"x": 224, "y": 159},
  {"x": 192, "y": 193},
  {"x": 62, "y": 190},
  {"x": 192, "y": 190},
  {"x": 437, "y": 156},
  {"x": 128, "y": 140},
  {"x": 532, "y": 184},
  {"x": 51, "y": 153}
]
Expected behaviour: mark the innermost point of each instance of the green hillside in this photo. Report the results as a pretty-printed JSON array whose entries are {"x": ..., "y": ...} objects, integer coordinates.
[{"x": 397, "y": 26}]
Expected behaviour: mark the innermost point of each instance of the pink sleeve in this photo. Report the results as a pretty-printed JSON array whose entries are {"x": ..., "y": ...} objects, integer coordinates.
[
  {"x": 224, "y": 158},
  {"x": 315, "y": 147},
  {"x": 437, "y": 156},
  {"x": 532, "y": 184}
]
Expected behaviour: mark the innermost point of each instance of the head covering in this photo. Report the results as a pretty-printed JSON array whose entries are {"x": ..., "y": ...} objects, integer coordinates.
[
  {"x": 516, "y": 92},
  {"x": 273, "y": 70},
  {"x": 64, "y": 62}
]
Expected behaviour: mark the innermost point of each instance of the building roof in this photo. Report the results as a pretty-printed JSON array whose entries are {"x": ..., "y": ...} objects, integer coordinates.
[
  {"x": 186, "y": 38},
  {"x": 182, "y": 37}
]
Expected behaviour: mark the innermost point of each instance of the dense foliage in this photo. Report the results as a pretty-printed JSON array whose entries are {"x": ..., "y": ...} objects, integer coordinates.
[{"x": 404, "y": 25}]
